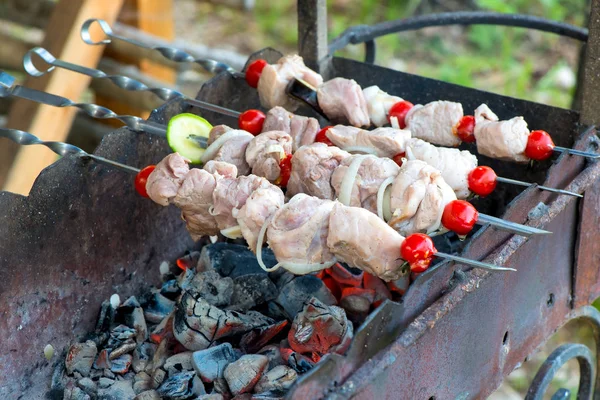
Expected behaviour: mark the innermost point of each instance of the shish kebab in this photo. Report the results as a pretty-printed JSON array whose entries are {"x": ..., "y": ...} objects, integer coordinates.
[
  {"x": 509, "y": 140},
  {"x": 306, "y": 234},
  {"x": 481, "y": 180}
]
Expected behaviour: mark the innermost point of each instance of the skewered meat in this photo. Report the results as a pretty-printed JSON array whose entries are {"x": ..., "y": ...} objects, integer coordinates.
[
  {"x": 434, "y": 121},
  {"x": 261, "y": 204},
  {"x": 418, "y": 197},
  {"x": 275, "y": 78},
  {"x": 385, "y": 142},
  {"x": 302, "y": 129},
  {"x": 222, "y": 168},
  {"x": 379, "y": 104},
  {"x": 371, "y": 174},
  {"x": 233, "y": 149},
  {"x": 164, "y": 182},
  {"x": 359, "y": 238},
  {"x": 265, "y": 152},
  {"x": 454, "y": 164},
  {"x": 312, "y": 167},
  {"x": 298, "y": 231},
  {"x": 342, "y": 100},
  {"x": 504, "y": 140}
]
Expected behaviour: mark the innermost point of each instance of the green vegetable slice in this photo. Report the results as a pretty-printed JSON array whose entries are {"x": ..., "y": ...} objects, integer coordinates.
[{"x": 184, "y": 134}]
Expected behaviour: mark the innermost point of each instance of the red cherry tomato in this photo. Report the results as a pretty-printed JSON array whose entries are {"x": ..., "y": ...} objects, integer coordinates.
[
  {"x": 482, "y": 181},
  {"x": 465, "y": 129},
  {"x": 141, "y": 178},
  {"x": 254, "y": 71},
  {"x": 418, "y": 250},
  {"x": 321, "y": 137},
  {"x": 539, "y": 145},
  {"x": 399, "y": 110},
  {"x": 285, "y": 165},
  {"x": 252, "y": 121},
  {"x": 398, "y": 158},
  {"x": 459, "y": 216}
]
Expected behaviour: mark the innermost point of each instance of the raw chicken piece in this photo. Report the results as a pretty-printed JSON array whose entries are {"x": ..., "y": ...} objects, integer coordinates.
[
  {"x": 343, "y": 101},
  {"x": 418, "y": 197},
  {"x": 194, "y": 198},
  {"x": 298, "y": 231},
  {"x": 261, "y": 205},
  {"x": 454, "y": 164},
  {"x": 312, "y": 167},
  {"x": 371, "y": 174},
  {"x": 359, "y": 238},
  {"x": 275, "y": 78},
  {"x": 232, "y": 193},
  {"x": 302, "y": 129},
  {"x": 265, "y": 152},
  {"x": 221, "y": 168},
  {"x": 434, "y": 121},
  {"x": 233, "y": 150},
  {"x": 164, "y": 182},
  {"x": 379, "y": 104},
  {"x": 503, "y": 140},
  {"x": 385, "y": 142}
]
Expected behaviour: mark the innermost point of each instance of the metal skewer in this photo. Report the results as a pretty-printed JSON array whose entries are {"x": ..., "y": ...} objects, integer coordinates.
[
  {"x": 120, "y": 81},
  {"x": 560, "y": 149},
  {"x": 170, "y": 53},
  {"x": 546, "y": 188},
  {"x": 475, "y": 263},
  {"x": 509, "y": 226},
  {"x": 60, "y": 148}
]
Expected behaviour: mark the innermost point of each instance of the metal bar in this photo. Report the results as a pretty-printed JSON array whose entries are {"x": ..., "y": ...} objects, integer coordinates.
[
  {"x": 312, "y": 34},
  {"x": 546, "y": 188},
  {"x": 474, "y": 263},
  {"x": 590, "y": 92},
  {"x": 509, "y": 226},
  {"x": 577, "y": 152}
]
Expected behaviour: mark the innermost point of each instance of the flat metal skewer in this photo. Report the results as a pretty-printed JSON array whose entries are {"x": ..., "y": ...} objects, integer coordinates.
[
  {"x": 513, "y": 227},
  {"x": 546, "y": 188},
  {"x": 576, "y": 152},
  {"x": 60, "y": 148},
  {"x": 121, "y": 81},
  {"x": 474, "y": 263},
  {"x": 170, "y": 53}
]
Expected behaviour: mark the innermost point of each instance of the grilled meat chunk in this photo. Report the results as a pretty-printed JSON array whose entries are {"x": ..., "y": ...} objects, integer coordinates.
[
  {"x": 302, "y": 129},
  {"x": 164, "y": 182},
  {"x": 221, "y": 168},
  {"x": 232, "y": 150},
  {"x": 503, "y": 140},
  {"x": 343, "y": 101},
  {"x": 434, "y": 121},
  {"x": 385, "y": 142},
  {"x": 379, "y": 104},
  {"x": 265, "y": 152}
]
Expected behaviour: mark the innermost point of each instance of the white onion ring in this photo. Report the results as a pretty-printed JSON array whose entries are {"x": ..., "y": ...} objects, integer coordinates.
[
  {"x": 275, "y": 148},
  {"x": 234, "y": 232},
  {"x": 348, "y": 180},
  {"x": 211, "y": 150},
  {"x": 394, "y": 122},
  {"x": 380, "y": 196},
  {"x": 303, "y": 269},
  {"x": 259, "y": 243},
  {"x": 362, "y": 149}
]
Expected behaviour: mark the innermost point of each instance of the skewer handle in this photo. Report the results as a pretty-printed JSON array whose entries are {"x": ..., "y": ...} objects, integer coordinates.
[{"x": 170, "y": 53}]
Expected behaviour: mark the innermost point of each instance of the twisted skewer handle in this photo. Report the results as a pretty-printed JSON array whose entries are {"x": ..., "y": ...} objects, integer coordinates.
[{"x": 170, "y": 53}]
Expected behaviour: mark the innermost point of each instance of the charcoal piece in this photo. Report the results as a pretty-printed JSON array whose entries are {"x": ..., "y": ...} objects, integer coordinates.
[
  {"x": 243, "y": 396},
  {"x": 161, "y": 354},
  {"x": 184, "y": 280},
  {"x": 301, "y": 364},
  {"x": 281, "y": 277},
  {"x": 212, "y": 396},
  {"x": 119, "y": 390},
  {"x": 243, "y": 374},
  {"x": 170, "y": 289},
  {"x": 210, "y": 363},
  {"x": 158, "y": 377},
  {"x": 103, "y": 360},
  {"x": 73, "y": 392},
  {"x": 178, "y": 363},
  {"x": 252, "y": 290},
  {"x": 275, "y": 311},
  {"x": 233, "y": 260},
  {"x": 278, "y": 379},
  {"x": 120, "y": 335},
  {"x": 357, "y": 302},
  {"x": 184, "y": 385},
  {"x": 257, "y": 338},
  {"x": 103, "y": 383},
  {"x": 109, "y": 374},
  {"x": 142, "y": 382},
  {"x": 197, "y": 324},
  {"x": 142, "y": 355},
  {"x": 124, "y": 348},
  {"x": 213, "y": 288},
  {"x": 163, "y": 330},
  {"x": 133, "y": 316},
  {"x": 121, "y": 364},
  {"x": 273, "y": 353},
  {"x": 293, "y": 295},
  {"x": 148, "y": 395},
  {"x": 106, "y": 317},
  {"x": 80, "y": 358},
  {"x": 271, "y": 395},
  {"x": 88, "y": 386},
  {"x": 320, "y": 329},
  {"x": 157, "y": 307},
  {"x": 189, "y": 261}
]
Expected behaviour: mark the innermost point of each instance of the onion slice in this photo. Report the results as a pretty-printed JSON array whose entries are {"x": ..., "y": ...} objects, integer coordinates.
[
  {"x": 394, "y": 122},
  {"x": 211, "y": 150},
  {"x": 381, "y": 194},
  {"x": 349, "y": 179},
  {"x": 259, "y": 243},
  {"x": 361, "y": 149},
  {"x": 275, "y": 148},
  {"x": 234, "y": 232}
]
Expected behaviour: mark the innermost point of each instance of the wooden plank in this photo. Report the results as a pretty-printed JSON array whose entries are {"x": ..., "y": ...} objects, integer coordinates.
[{"x": 62, "y": 40}]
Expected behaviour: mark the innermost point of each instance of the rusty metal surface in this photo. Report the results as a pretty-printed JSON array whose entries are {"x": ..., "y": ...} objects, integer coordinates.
[
  {"x": 312, "y": 35},
  {"x": 80, "y": 236}
]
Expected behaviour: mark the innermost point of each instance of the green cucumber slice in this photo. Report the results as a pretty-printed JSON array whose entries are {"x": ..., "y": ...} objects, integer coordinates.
[{"x": 180, "y": 132}]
